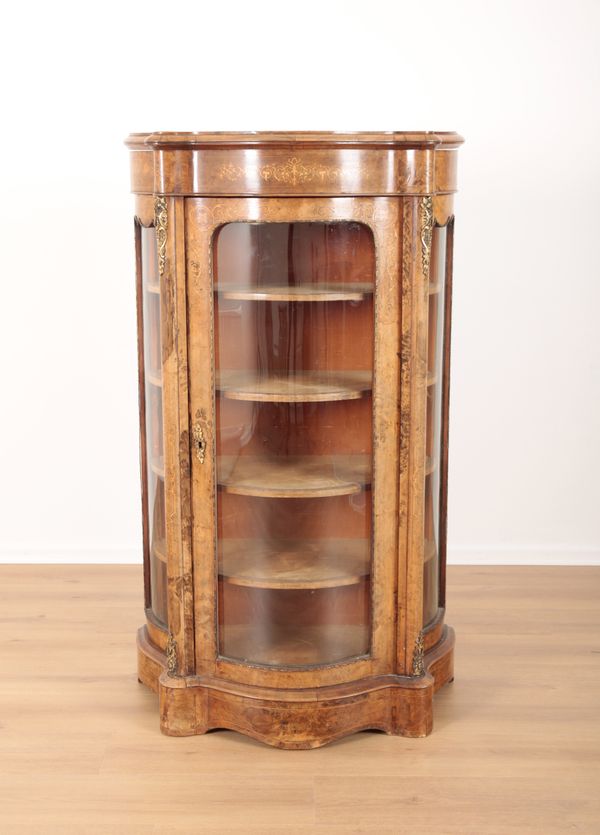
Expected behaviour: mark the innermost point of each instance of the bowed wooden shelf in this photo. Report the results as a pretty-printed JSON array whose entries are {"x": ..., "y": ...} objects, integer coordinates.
[
  {"x": 294, "y": 296},
  {"x": 289, "y": 647},
  {"x": 284, "y": 564},
  {"x": 295, "y": 387},
  {"x": 314, "y": 292},
  {"x": 293, "y": 476}
]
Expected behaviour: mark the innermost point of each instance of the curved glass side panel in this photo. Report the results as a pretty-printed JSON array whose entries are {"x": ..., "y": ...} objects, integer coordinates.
[
  {"x": 155, "y": 471},
  {"x": 294, "y": 337},
  {"x": 435, "y": 369}
]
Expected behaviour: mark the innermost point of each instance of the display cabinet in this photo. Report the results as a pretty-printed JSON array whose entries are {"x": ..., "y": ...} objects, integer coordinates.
[{"x": 294, "y": 329}]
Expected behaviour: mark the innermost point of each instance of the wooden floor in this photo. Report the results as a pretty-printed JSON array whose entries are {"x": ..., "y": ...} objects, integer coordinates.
[{"x": 515, "y": 747}]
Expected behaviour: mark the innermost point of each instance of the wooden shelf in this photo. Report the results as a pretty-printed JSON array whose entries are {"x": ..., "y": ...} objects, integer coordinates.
[
  {"x": 298, "y": 387},
  {"x": 157, "y": 465},
  {"x": 430, "y": 550},
  {"x": 159, "y": 550},
  {"x": 293, "y": 647},
  {"x": 293, "y": 476},
  {"x": 154, "y": 378},
  {"x": 307, "y": 564},
  {"x": 314, "y": 292}
]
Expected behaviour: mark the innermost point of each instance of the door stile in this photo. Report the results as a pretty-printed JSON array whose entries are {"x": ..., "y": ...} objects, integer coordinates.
[
  {"x": 201, "y": 432},
  {"x": 171, "y": 250},
  {"x": 416, "y": 253},
  {"x": 386, "y": 226},
  {"x": 405, "y": 343}
]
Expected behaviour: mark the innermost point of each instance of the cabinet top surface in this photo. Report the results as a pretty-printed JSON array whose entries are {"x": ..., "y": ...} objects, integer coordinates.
[{"x": 406, "y": 139}]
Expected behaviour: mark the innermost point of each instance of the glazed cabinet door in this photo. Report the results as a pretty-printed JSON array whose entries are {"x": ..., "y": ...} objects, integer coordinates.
[{"x": 294, "y": 372}]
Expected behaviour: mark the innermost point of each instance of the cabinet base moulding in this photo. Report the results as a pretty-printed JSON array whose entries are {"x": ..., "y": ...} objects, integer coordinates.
[{"x": 296, "y": 719}]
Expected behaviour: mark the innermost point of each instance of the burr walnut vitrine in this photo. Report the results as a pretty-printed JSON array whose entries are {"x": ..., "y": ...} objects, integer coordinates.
[{"x": 294, "y": 324}]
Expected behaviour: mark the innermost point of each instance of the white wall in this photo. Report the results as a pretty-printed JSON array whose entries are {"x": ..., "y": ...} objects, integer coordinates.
[{"x": 519, "y": 79}]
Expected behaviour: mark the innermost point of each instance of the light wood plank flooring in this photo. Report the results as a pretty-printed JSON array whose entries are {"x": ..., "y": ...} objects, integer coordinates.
[{"x": 515, "y": 746}]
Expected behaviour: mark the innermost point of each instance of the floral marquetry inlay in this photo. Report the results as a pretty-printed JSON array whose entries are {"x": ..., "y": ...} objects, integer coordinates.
[
  {"x": 418, "y": 665},
  {"x": 171, "y": 656},
  {"x": 230, "y": 172},
  {"x": 426, "y": 212},
  {"x": 160, "y": 223},
  {"x": 292, "y": 172}
]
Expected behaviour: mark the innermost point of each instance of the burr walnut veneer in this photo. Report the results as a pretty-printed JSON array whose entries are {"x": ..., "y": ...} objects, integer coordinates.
[{"x": 294, "y": 325}]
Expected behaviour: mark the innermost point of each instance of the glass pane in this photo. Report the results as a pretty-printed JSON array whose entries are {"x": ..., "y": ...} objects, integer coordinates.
[
  {"x": 435, "y": 357},
  {"x": 154, "y": 425},
  {"x": 294, "y": 371}
]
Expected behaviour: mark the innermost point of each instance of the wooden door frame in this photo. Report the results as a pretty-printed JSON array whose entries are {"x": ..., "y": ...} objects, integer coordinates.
[{"x": 203, "y": 216}]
